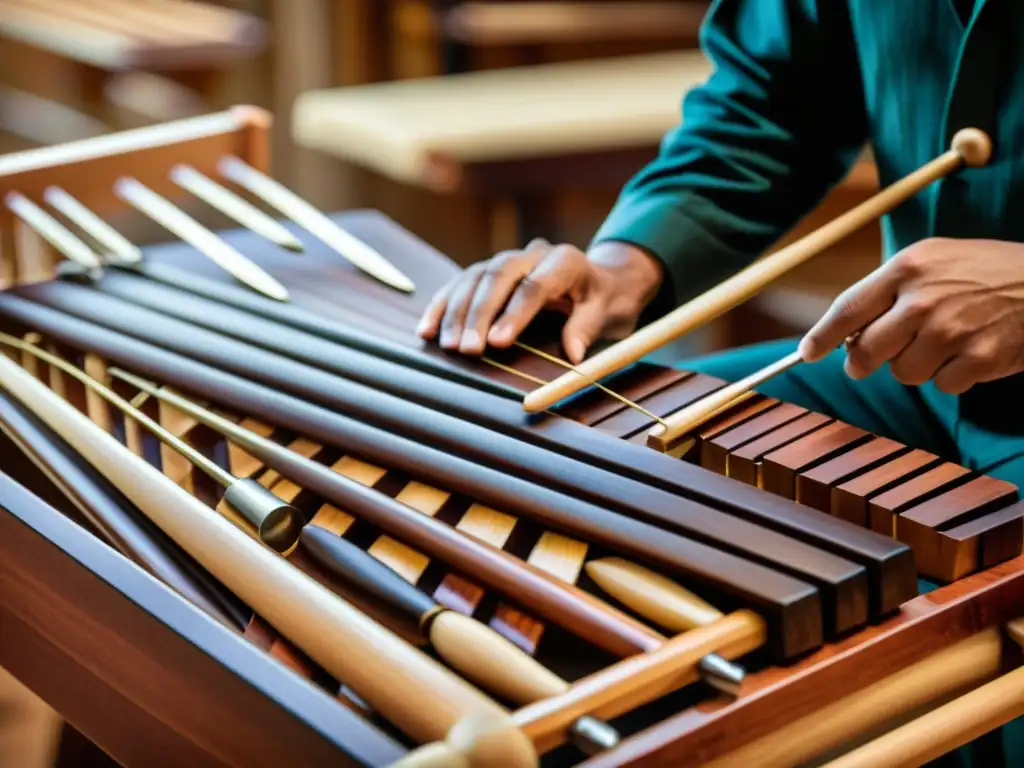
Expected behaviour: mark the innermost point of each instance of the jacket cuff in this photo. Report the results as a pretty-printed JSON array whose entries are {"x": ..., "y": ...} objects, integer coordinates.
[{"x": 694, "y": 259}]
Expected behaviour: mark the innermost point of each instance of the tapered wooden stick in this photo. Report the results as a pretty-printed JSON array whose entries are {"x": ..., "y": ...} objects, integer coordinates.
[
  {"x": 230, "y": 204},
  {"x": 309, "y": 218},
  {"x": 418, "y": 695},
  {"x": 172, "y": 218},
  {"x": 476, "y": 651},
  {"x": 970, "y": 147},
  {"x": 118, "y": 246}
]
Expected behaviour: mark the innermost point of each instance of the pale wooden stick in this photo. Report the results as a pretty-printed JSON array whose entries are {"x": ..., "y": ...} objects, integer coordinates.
[
  {"x": 970, "y": 147},
  {"x": 104, "y": 234},
  {"x": 175, "y": 220},
  {"x": 418, "y": 695},
  {"x": 639, "y": 679},
  {"x": 305, "y": 215},
  {"x": 662, "y": 436},
  {"x": 652, "y": 595},
  {"x": 944, "y": 729},
  {"x": 235, "y": 207},
  {"x": 804, "y": 741},
  {"x": 55, "y": 233}
]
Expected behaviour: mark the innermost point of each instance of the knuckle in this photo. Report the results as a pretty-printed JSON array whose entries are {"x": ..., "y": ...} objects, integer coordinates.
[
  {"x": 502, "y": 261},
  {"x": 912, "y": 262},
  {"x": 982, "y": 355},
  {"x": 918, "y": 307},
  {"x": 945, "y": 331}
]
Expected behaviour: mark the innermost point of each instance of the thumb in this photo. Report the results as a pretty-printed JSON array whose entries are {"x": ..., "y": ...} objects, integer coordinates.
[{"x": 582, "y": 329}]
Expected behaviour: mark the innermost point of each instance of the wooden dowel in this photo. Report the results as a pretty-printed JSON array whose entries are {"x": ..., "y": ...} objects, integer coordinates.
[
  {"x": 970, "y": 147},
  {"x": 944, "y": 729},
  {"x": 172, "y": 218},
  {"x": 475, "y": 650},
  {"x": 804, "y": 741},
  {"x": 419, "y": 696},
  {"x": 663, "y": 436}
]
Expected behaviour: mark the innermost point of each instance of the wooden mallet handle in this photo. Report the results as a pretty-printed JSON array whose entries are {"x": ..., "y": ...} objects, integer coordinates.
[{"x": 970, "y": 147}]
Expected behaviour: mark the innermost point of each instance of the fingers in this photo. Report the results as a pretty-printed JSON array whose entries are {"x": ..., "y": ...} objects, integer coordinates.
[
  {"x": 582, "y": 329},
  {"x": 454, "y": 319},
  {"x": 881, "y": 341},
  {"x": 430, "y": 323},
  {"x": 852, "y": 311},
  {"x": 558, "y": 272},
  {"x": 979, "y": 361},
  {"x": 499, "y": 280},
  {"x": 462, "y": 310}
]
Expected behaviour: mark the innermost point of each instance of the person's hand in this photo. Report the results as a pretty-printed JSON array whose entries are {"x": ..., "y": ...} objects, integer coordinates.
[
  {"x": 602, "y": 292},
  {"x": 948, "y": 311}
]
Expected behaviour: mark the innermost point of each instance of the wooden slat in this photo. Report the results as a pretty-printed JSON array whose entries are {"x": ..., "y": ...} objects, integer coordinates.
[{"x": 779, "y": 469}]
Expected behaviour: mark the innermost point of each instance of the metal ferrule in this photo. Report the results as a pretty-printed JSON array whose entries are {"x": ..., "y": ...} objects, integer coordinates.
[{"x": 278, "y": 523}]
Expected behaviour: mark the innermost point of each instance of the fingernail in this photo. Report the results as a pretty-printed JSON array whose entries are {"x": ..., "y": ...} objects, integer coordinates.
[
  {"x": 574, "y": 349},
  {"x": 499, "y": 334},
  {"x": 449, "y": 339},
  {"x": 424, "y": 329},
  {"x": 471, "y": 343}
]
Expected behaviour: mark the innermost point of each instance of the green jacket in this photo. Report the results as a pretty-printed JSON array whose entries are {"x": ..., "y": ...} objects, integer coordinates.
[{"x": 799, "y": 87}]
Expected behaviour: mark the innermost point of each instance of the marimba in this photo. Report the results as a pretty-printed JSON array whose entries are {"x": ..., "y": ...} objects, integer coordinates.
[{"x": 288, "y": 506}]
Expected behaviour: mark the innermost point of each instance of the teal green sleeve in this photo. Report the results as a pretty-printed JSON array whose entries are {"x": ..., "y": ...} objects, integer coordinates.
[{"x": 778, "y": 123}]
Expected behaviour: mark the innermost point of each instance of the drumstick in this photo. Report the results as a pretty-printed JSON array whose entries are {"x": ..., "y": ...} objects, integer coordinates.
[
  {"x": 970, "y": 147},
  {"x": 415, "y": 693},
  {"x": 478, "y": 652}
]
